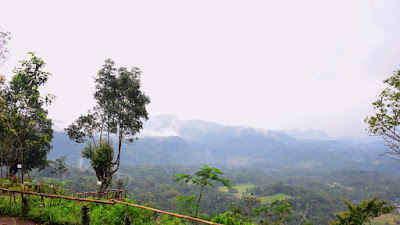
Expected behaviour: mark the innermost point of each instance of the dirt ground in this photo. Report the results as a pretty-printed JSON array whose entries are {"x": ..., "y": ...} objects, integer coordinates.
[{"x": 4, "y": 220}]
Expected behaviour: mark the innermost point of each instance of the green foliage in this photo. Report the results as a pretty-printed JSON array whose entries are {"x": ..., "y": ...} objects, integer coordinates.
[
  {"x": 315, "y": 195},
  {"x": 278, "y": 212},
  {"x": 100, "y": 156},
  {"x": 120, "y": 110},
  {"x": 187, "y": 204},
  {"x": 363, "y": 213},
  {"x": 229, "y": 218},
  {"x": 58, "y": 166},
  {"x": 61, "y": 211},
  {"x": 250, "y": 201},
  {"x": 386, "y": 120},
  {"x": 205, "y": 176},
  {"x": 27, "y": 132},
  {"x": 278, "y": 196},
  {"x": 5, "y": 183}
]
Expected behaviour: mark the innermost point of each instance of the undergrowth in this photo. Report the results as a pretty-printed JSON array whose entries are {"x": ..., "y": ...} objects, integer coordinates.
[{"x": 62, "y": 211}]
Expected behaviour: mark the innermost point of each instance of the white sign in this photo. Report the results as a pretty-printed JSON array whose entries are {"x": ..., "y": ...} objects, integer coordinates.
[
  {"x": 98, "y": 182},
  {"x": 19, "y": 166}
]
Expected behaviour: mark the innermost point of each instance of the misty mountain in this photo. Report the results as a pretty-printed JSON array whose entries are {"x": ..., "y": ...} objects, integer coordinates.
[{"x": 167, "y": 140}]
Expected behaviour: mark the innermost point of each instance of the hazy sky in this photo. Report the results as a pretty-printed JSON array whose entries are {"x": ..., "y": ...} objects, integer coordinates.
[{"x": 267, "y": 64}]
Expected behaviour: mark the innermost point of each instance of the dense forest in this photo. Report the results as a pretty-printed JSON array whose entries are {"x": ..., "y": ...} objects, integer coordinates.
[{"x": 314, "y": 194}]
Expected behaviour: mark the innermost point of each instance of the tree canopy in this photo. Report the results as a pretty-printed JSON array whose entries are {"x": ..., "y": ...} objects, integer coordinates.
[
  {"x": 363, "y": 213},
  {"x": 120, "y": 111},
  {"x": 386, "y": 120},
  {"x": 27, "y": 132}
]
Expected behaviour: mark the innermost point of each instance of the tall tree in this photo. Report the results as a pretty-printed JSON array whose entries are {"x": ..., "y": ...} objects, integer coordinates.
[
  {"x": 28, "y": 131},
  {"x": 58, "y": 166},
  {"x": 120, "y": 111},
  {"x": 386, "y": 121}
]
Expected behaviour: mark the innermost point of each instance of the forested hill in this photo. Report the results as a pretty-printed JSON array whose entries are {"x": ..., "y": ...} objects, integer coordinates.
[{"x": 199, "y": 142}]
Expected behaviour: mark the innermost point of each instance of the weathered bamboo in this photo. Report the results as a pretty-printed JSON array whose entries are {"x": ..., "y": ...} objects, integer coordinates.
[
  {"x": 111, "y": 202},
  {"x": 58, "y": 196},
  {"x": 163, "y": 212}
]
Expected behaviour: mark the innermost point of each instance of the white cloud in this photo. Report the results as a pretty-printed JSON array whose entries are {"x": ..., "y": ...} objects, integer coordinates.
[{"x": 271, "y": 64}]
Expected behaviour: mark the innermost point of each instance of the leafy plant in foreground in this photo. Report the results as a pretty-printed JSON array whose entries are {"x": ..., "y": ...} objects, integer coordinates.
[
  {"x": 205, "y": 176},
  {"x": 363, "y": 213}
]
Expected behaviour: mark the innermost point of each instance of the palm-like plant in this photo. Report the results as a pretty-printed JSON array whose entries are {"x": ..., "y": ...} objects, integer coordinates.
[{"x": 205, "y": 176}]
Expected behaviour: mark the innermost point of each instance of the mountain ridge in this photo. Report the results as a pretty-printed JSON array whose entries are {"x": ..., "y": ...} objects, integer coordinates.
[{"x": 197, "y": 142}]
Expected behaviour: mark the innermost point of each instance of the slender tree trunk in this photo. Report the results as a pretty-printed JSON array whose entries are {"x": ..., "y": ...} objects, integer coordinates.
[
  {"x": 198, "y": 202},
  {"x": 119, "y": 153},
  {"x": 22, "y": 164},
  {"x": 7, "y": 171}
]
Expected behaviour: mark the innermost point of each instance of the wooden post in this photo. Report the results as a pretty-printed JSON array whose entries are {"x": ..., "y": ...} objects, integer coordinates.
[
  {"x": 41, "y": 205},
  {"x": 159, "y": 219}
]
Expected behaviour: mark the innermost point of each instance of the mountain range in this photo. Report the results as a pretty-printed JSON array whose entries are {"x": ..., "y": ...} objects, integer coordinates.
[{"x": 166, "y": 140}]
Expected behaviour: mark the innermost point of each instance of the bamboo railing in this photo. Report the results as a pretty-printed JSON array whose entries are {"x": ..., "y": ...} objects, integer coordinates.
[
  {"x": 110, "y": 202},
  {"x": 57, "y": 196},
  {"x": 109, "y": 194},
  {"x": 164, "y": 212}
]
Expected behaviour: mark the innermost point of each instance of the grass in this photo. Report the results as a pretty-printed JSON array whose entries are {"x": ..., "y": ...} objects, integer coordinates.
[
  {"x": 66, "y": 212},
  {"x": 61, "y": 211}
]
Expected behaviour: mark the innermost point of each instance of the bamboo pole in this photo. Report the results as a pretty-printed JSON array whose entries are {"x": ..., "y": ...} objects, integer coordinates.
[
  {"x": 58, "y": 196},
  {"x": 167, "y": 213},
  {"x": 111, "y": 202}
]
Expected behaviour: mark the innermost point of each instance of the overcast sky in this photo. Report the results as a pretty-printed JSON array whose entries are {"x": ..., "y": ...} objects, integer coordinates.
[{"x": 265, "y": 64}]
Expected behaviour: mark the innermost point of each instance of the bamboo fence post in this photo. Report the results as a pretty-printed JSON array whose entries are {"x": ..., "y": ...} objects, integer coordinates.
[
  {"x": 10, "y": 198},
  {"x": 159, "y": 219},
  {"x": 41, "y": 205},
  {"x": 74, "y": 213},
  {"x": 15, "y": 203}
]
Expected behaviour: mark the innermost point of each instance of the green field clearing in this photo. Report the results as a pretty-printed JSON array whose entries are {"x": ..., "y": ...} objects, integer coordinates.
[
  {"x": 309, "y": 164},
  {"x": 386, "y": 219},
  {"x": 271, "y": 198},
  {"x": 241, "y": 188}
]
